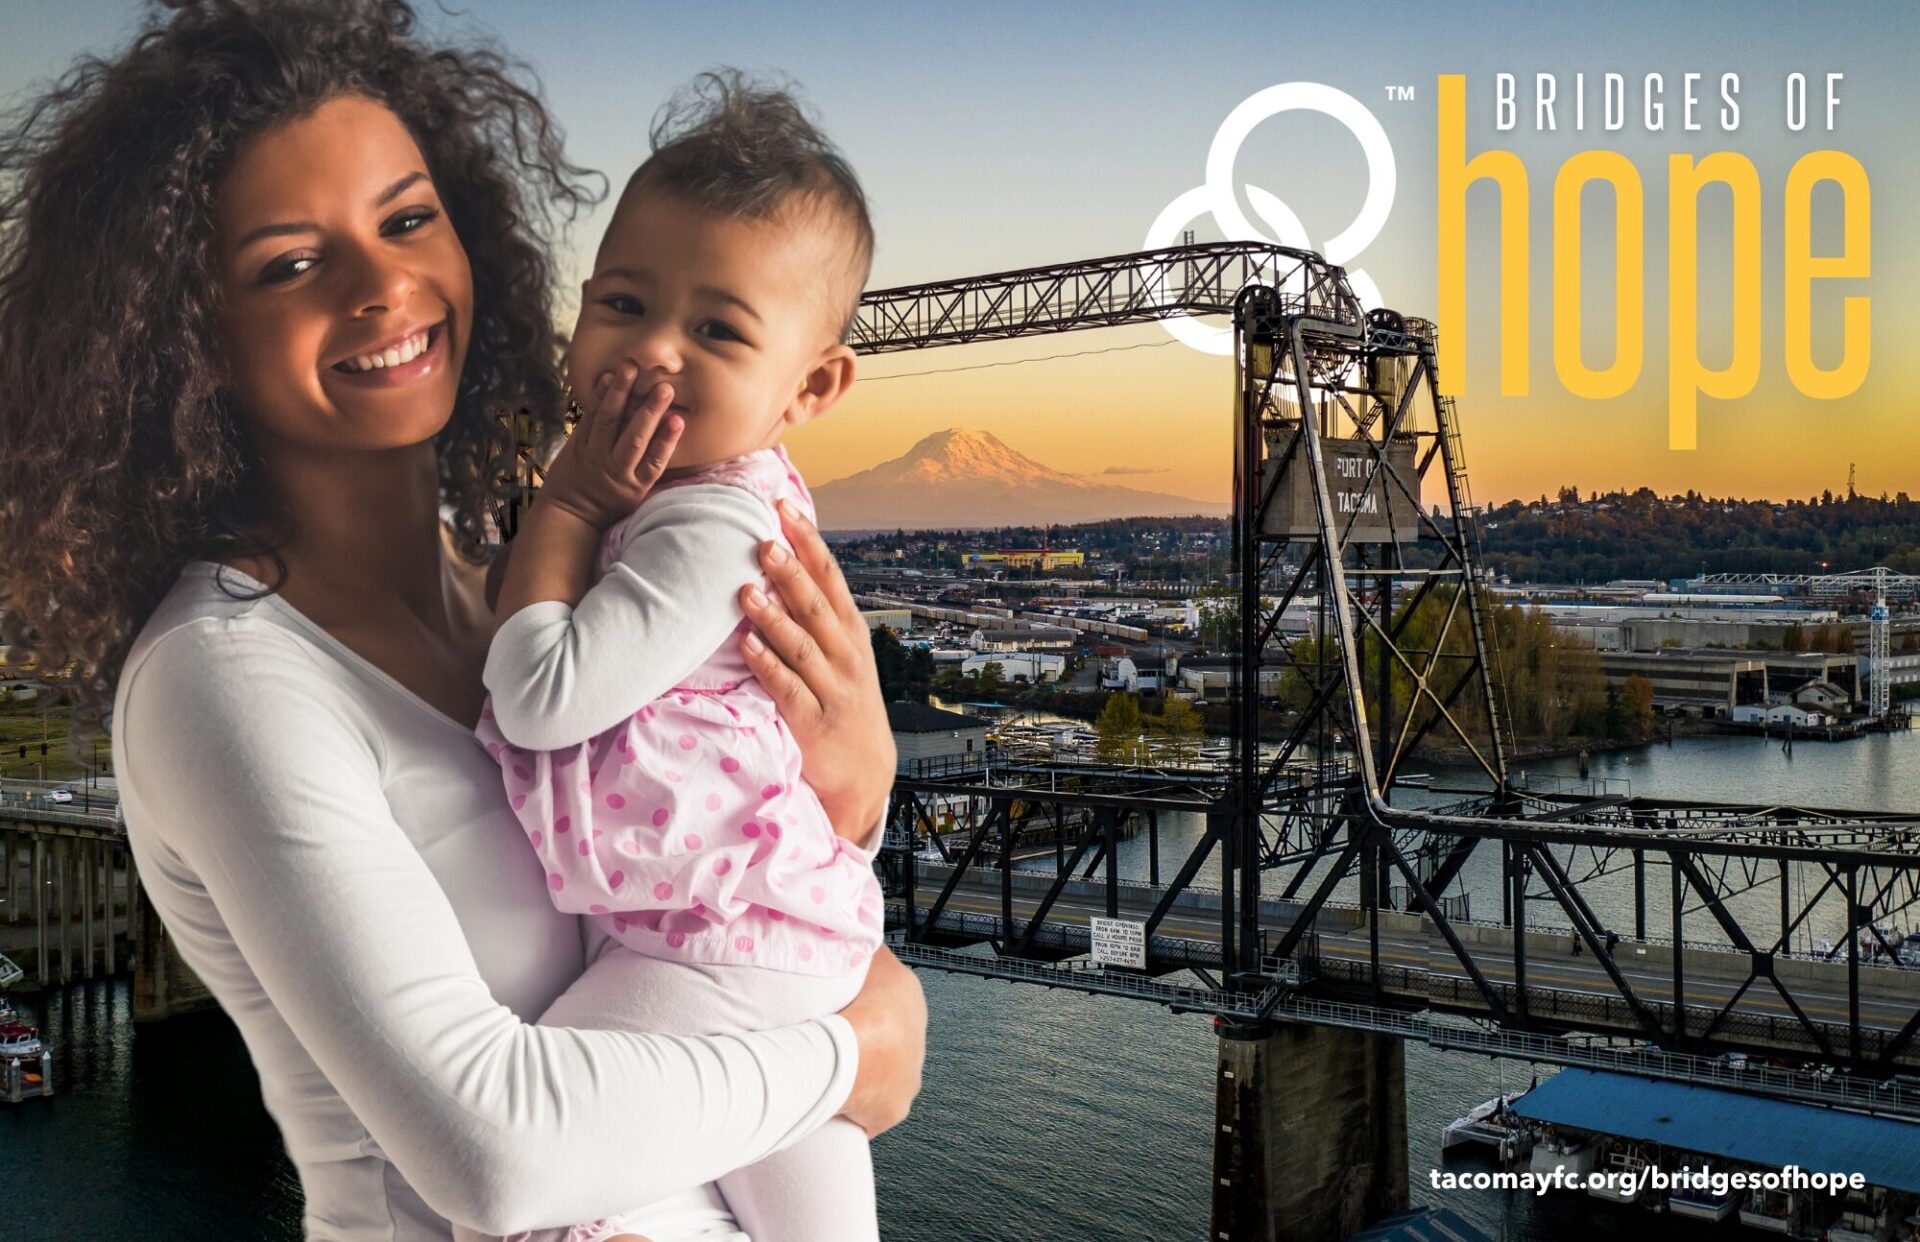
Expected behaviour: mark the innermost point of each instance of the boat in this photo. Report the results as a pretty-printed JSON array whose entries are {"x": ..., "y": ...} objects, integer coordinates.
[
  {"x": 1627, "y": 1163},
  {"x": 1555, "y": 1150},
  {"x": 1490, "y": 1123},
  {"x": 1866, "y": 1215},
  {"x": 1774, "y": 1211},
  {"x": 17, "y": 1039},
  {"x": 26, "y": 1063},
  {"x": 1702, "y": 1202}
]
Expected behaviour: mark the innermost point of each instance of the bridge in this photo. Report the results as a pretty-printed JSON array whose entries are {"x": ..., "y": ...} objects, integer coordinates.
[
  {"x": 1692, "y": 920},
  {"x": 69, "y": 889}
]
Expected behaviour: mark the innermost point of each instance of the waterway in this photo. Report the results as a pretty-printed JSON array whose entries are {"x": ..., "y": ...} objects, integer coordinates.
[{"x": 1046, "y": 1115}]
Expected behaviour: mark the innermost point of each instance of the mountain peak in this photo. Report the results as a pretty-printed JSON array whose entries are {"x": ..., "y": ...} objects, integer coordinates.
[
  {"x": 962, "y": 452},
  {"x": 959, "y": 434},
  {"x": 962, "y": 476}
]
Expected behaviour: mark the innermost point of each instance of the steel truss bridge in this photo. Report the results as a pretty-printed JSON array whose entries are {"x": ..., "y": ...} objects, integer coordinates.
[{"x": 1310, "y": 890}]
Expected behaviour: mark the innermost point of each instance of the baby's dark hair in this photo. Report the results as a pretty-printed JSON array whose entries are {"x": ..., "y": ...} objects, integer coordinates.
[{"x": 732, "y": 146}]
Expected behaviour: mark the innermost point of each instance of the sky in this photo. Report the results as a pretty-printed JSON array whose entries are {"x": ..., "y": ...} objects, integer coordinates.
[{"x": 994, "y": 136}]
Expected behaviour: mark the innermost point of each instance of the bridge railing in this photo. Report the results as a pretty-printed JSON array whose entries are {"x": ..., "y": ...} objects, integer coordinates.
[
  {"x": 1600, "y": 1010},
  {"x": 40, "y": 812},
  {"x": 1459, "y": 914},
  {"x": 1280, "y": 1002}
]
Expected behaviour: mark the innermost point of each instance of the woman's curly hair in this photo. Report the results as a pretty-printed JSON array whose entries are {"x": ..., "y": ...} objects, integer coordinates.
[{"x": 122, "y": 460}]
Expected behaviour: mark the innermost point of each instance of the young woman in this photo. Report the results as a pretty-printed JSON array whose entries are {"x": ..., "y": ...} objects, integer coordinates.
[{"x": 266, "y": 280}]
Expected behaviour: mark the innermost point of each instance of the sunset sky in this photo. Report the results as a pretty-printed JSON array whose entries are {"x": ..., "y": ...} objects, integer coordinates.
[{"x": 994, "y": 136}]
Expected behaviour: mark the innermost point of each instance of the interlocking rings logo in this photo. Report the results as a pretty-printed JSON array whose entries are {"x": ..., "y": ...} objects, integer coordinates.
[{"x": 1216, "y": 196}]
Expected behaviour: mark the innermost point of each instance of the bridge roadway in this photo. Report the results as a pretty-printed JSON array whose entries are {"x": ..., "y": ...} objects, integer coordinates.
[{"x": 1417, "y": 964}]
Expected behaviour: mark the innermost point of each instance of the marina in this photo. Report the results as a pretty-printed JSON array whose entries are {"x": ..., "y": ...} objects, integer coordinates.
[
  {"x": 26, "y": 1063},
  {"x": 1613, "y": 1131}
]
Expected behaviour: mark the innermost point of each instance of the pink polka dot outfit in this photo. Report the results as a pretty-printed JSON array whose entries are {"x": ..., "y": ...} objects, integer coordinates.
[{"x": 685, "y": 827}]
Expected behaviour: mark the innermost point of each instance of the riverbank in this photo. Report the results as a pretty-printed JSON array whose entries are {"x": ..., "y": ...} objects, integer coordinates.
[{"x": 1217, "y": 722}]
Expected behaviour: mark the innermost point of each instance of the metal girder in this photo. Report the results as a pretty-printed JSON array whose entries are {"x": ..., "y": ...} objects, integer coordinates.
[
  {"x": 1300, "y": 311},
  {"x": 1145, "y": 287}
]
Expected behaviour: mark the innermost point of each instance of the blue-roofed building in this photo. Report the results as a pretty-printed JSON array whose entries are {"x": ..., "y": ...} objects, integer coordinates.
[{"x": 1750, "y": 1129}]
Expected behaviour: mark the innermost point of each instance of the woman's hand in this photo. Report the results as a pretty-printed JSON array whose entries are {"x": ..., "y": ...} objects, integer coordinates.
[
  {"x": 889, "y": 1019},
  {"x": 811, "y": 650}
]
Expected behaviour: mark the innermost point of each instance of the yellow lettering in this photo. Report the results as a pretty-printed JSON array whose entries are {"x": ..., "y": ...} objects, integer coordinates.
[
  {"x": 1687, "y": 377},
  {"x": 1629, "y": 304},
  {"x": 1456, "y": 174},
  {"x": 1803, "y": 268}
]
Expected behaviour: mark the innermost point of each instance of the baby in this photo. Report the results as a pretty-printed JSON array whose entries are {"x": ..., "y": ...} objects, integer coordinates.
[{"x": 654, "y": 778}]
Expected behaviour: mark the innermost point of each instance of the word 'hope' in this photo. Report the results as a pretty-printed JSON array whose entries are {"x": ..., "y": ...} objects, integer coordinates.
[{"x": 1688, "y": 378}]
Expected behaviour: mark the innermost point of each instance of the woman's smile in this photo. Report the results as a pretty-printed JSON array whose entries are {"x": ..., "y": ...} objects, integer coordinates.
[{"x": 400, "y": 360}]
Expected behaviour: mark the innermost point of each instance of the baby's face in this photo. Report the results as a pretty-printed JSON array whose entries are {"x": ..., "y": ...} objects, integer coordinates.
[{"x": 733, "y": 312}]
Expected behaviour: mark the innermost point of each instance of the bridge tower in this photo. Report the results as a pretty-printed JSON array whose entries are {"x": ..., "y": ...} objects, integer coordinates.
[{"x": 1332, "y": 447}]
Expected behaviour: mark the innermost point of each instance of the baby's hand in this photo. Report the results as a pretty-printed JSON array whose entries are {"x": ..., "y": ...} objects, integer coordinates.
[{"x": 616, "y": 454}]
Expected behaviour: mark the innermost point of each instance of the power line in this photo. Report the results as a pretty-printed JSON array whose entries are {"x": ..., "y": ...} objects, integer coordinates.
[{"x": 1014, "y": 362}]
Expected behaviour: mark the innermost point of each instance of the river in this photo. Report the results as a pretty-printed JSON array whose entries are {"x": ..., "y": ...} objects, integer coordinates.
[{"x": 1046, "y": 1116}]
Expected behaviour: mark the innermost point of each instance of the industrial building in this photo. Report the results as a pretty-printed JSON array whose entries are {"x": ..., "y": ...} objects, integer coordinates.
[
  {"x": 1211, "y": 677},
  {"x": 1707, "y": 684},
  {"x": 1033, "y": 637},
  {"x": 899, "y": 620},
  {"x": 1043, "y": 559},
  {"x": 1029, "y": 666},
  {"x": 1713, "y": 682},
  {"x": 922, "y": 733},
  {"x": 1136, "y": 673}
]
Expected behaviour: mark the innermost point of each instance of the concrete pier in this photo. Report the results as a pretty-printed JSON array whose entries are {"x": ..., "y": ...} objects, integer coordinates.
[
  {"x": 1310, "y": 1143},
  {"x": 68, "y": 894}
]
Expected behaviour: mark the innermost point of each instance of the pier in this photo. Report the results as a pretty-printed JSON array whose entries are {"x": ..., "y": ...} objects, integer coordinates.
[{"x": 71, "y": 895}]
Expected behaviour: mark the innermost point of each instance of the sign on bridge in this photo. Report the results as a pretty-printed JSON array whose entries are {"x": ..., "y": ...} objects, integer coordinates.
[{"x": 1119, "y": 942}]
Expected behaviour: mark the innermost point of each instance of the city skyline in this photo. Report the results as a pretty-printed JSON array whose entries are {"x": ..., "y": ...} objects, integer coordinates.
[{"x": 983, "y": 153}]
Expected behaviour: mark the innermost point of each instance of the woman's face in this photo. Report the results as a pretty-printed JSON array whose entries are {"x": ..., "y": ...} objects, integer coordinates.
[{"x": 347, "y": 296}]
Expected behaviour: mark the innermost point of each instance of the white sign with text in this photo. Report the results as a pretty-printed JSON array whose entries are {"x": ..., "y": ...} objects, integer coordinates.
[{"x": 1119, "y": 942}]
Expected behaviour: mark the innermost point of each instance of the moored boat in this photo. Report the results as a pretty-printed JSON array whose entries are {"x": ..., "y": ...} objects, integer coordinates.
[
  {"x": 1576, "y": 1154},
  {"x": 1490, "y": 1123}
]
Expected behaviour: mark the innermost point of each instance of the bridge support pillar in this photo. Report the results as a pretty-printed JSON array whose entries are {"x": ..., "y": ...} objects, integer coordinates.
[
  {"x": 89, "y": 897},
  {"x": 42, "y": 974},
  {"x": 1310, "y": 1138},
  {"x": 163, "y": 985}
]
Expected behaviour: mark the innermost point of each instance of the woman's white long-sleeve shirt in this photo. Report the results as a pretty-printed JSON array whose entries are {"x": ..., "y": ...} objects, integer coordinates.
[{"x": 336, "y": 861}]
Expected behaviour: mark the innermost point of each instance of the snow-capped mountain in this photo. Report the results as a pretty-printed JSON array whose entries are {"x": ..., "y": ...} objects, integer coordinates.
[{"x": 961, "y": 477}]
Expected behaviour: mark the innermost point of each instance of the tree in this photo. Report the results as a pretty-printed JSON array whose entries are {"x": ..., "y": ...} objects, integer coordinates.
[
  {"x": 1180, "y": 725},
  {"x": 1219, "y": 609},
  {"x": 890, "y": 659},
  {"x": 1118, "y": 729},
  {"x": 991, "y": 679},
  {"x": 1638, "y": 694},
  {"x": 919, "y": 673}
]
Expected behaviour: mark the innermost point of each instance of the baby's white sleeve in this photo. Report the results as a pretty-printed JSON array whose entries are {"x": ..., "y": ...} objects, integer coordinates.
[
  {"x": 561, "y": 675},
  {"x": 253, "y": 785}
]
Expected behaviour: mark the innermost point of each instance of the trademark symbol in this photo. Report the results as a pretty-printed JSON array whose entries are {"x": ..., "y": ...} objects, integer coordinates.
[{"x": 1399, "y": 94}]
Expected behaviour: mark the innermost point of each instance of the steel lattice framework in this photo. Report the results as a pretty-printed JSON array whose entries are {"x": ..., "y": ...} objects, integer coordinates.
[{"x": 1321, "y": 877}]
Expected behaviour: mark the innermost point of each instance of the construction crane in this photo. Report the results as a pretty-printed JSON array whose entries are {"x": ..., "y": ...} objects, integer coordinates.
[{"x": 1880, "y": 580}]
